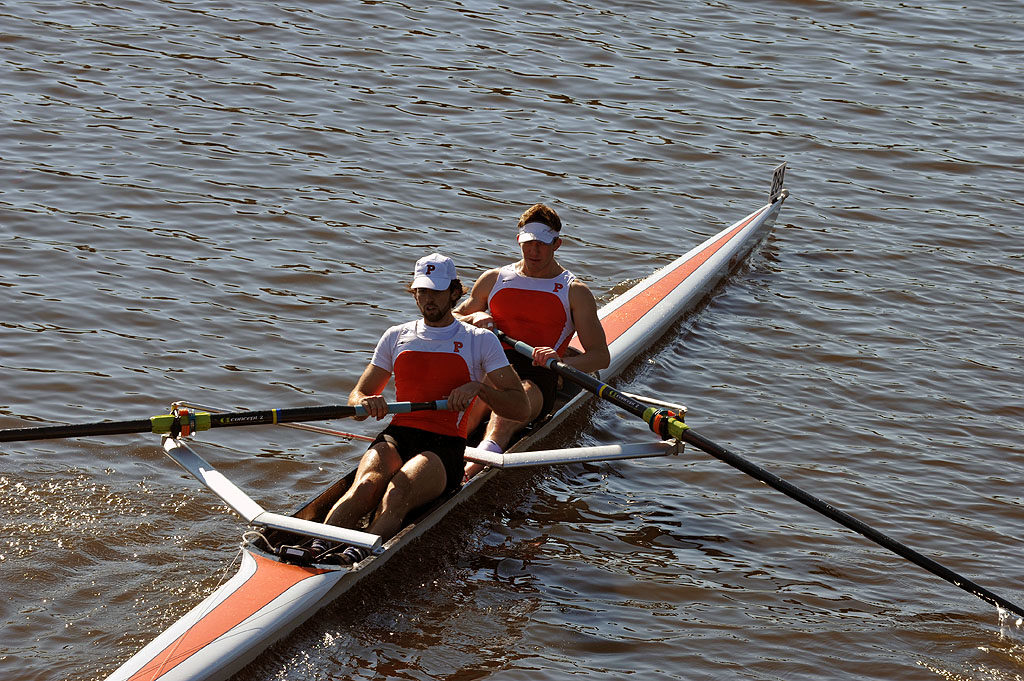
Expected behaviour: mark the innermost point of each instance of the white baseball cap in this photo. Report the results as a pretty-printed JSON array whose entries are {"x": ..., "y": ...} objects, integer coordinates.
[
  {"x": 537, "y": 231},
  {"x": 434, "y": 271}
]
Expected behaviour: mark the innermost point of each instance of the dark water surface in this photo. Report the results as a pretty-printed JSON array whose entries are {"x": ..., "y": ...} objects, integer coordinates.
[{"x": 222, "y": 203}]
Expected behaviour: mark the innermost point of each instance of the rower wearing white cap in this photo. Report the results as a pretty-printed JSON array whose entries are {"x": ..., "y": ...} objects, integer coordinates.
[
  {"x": 541, "y": 303},
  {"x": 419, "y": 455}
]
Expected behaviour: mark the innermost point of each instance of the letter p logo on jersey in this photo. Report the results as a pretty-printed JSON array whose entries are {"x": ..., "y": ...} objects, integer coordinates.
[{"x": 456, "y": 346}]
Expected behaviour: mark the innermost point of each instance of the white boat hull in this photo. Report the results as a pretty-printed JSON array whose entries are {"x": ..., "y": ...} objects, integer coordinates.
[{"x": 268, "y": 598}]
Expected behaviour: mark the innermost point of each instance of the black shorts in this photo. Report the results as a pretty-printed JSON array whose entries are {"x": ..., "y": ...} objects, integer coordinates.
[
  {"x": 542, "y": 377},
  {"x": 412, "y": 441}
]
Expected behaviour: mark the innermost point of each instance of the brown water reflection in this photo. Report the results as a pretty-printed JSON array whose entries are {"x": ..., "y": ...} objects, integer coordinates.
[{"x": 220, "y": 205}]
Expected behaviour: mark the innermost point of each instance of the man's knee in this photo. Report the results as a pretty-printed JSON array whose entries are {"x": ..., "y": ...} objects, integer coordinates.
[
  {"x": 367, "y": 484},
  {"x": 535, "y": 397}
]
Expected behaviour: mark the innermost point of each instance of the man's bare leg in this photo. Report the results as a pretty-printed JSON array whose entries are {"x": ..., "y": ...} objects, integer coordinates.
[
  {"x": 422, "y": 479},
  {"x": 376, "y": 468}
]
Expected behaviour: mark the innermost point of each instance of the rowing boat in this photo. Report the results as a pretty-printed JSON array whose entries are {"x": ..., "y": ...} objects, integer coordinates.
[
  {"x": 280, "y": 582},
  {"x": 279, "y": 585}
]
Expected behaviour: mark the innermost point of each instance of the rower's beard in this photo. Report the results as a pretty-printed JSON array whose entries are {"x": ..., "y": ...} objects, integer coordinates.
[{"x": 436, "y": 314}]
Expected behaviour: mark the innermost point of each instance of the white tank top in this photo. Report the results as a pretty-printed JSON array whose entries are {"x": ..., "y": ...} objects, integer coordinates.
[{"x": 535, "y": 311}]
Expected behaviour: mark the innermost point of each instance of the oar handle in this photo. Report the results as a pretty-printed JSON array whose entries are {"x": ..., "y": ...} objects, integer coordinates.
[
  {"x": 190, "y": 421},
  {"x": 664, "y": 424}
]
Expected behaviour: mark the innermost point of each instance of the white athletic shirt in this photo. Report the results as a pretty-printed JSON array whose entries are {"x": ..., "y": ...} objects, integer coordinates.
[
  {"x": 428, "y": 362},
  {"x": 535, "y": 311}
]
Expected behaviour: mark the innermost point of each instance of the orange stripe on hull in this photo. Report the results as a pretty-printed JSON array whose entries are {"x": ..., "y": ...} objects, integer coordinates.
[
  {"x": 270, "y": 580},
  {"x": 622, "y": 318}
]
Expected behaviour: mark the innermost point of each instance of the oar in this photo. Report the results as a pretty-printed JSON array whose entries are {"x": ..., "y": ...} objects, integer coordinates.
[
  {"x": 665, "y": 425},
  {"x": 186, "y": 421},
  {"x": 299, "y": 426}
]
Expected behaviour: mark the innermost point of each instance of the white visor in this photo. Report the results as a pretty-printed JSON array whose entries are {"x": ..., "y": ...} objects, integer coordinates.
[{"x": 537, "y": 231}]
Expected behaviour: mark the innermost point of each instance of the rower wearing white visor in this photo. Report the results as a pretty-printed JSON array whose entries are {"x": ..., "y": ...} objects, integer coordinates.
[{"x": 541, "y": 303}]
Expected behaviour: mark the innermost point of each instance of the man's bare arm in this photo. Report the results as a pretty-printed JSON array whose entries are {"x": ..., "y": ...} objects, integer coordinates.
[
  {"x": 583, "y": 308},
  {"x": 473, "y": 310}
]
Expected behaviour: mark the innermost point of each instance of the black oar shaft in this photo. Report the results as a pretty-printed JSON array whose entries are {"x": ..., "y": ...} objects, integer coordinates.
[
  {"x": 297, "y": 414},
  {"x": 664, "y": 425},
  {"x": 272, "y": 416},
  {"x": 82, "y": 430},
  {"x": 847, "y": 520},
  {"x": 168, "y": 423}
]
